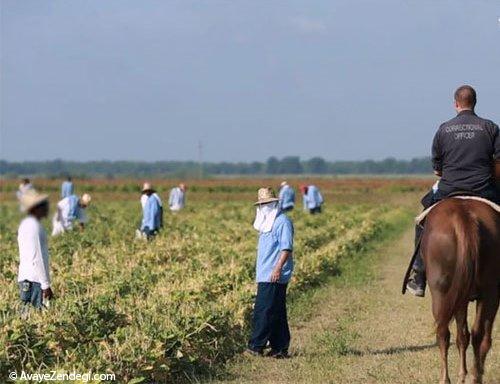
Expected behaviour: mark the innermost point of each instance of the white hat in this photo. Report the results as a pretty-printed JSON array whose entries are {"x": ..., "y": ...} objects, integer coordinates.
[
  {"x": 85, "y": 199},
  {"x": 30, "y": 199},
  {"x": 283, "y": 183},
  {"x": 147, "y": 187}
]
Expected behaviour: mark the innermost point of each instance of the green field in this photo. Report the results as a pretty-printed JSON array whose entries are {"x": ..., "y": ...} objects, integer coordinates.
[{"x": 176, "y": 308}]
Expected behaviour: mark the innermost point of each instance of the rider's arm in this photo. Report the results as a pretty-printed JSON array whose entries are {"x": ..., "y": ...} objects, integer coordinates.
[
  {"x": 437, "y": 156},
  {"x": 497, "y": 173},
  {"x": 496, "y": 156}
]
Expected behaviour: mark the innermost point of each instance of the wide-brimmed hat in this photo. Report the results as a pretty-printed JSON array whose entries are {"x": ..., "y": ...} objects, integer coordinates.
[
  {"x": 266, "y": 196},
  {"x": 85, "y": 199},
  {"x": 147, "y": 187},
  {"x": 30, "y": 199}
]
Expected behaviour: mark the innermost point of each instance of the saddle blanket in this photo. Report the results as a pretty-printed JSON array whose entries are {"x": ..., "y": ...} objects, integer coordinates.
[{"x": 424, "y": 214}]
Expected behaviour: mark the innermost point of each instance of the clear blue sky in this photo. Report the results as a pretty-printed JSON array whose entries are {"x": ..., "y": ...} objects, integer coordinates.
[{"x": 145, "y": 80}]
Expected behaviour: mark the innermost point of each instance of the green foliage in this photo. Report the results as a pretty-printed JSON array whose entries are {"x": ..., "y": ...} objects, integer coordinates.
[
  {"x": 167, "y": 309},
  {"x": 185, "y": 169}
]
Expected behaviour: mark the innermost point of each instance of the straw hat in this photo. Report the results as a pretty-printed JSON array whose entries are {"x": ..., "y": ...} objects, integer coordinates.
[
  {"x": 147, "y": 187},
  {"x": 85, "y": 199},
  {"x": 30, "y": 199},
  {"x": 266, "y": 196}
]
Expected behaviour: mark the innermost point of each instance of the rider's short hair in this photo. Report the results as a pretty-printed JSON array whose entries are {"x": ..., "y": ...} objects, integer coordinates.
[{"x": 465, "y": 96}]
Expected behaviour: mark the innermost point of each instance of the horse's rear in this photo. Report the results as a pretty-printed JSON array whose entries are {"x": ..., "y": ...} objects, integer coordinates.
[{"x": 461, "y": 250}]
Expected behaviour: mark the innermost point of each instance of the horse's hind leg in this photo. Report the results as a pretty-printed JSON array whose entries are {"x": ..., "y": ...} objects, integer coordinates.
[
  {"x": 463, "y": 338},
  {"x": 442, "y": 337},
  {"x": 481, "y": 332}
]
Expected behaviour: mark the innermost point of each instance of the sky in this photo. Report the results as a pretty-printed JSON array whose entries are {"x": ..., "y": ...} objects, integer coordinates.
[{"x": 148, "y": 80}]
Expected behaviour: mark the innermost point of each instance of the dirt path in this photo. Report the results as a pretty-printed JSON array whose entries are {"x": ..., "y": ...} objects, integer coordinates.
[{"x": 362, "y": 331}]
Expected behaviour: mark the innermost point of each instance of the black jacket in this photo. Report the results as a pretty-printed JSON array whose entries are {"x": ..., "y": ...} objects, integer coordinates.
[{"x": 464, "y": 151}]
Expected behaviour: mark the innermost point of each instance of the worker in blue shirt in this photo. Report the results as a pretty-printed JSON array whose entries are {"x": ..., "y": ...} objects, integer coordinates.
[
  {"x": 313, "y": 200},
  {"x": 287, "y": 197},
  {"x": 67, "y": 188},
  {"x": 151, "y": 213},
  {"x": 274, "y": 269}
]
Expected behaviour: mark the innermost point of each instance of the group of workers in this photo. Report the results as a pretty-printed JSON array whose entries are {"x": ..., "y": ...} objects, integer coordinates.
[
  {"x": 34, "y": 276},
  {"x": 152, "y": 208},
  {"x": 69, "y": 210},
  {"x": 311, "y": 198}
]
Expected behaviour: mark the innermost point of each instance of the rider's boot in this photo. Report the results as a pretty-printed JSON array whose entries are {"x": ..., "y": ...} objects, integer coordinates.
[{"x": 417, "y": 281}]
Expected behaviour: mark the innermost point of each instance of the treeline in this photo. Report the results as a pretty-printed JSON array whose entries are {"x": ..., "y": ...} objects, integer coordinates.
[{"x": 291, "y": 165}]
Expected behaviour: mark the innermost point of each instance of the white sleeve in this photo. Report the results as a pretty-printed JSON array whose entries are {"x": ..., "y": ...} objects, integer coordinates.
[{"x": 41, "y": 270}]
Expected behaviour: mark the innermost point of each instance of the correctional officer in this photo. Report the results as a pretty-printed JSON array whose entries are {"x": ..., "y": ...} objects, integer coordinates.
[{"x": 465, "y": 153}]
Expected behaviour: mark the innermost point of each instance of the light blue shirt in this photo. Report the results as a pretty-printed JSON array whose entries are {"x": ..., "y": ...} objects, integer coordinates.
[
  {"x": 67, "y": 189},
  {"x": 313, "y": 198},
  {"x": 280, "y": 238},
  {"x": 176, "y": 199},
  {"x": 74, "y": 207},
  {"x": 151, "y": 214},
  {"x": 287, "y": 197}
]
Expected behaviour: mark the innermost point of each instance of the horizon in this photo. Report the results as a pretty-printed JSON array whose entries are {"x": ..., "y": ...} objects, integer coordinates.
[{"x": 302, "y": 159}]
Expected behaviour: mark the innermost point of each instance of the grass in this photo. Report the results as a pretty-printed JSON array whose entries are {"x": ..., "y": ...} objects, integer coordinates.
[
  {"x": 175, "y": 308},
  {"x": 358, "y": 328}
]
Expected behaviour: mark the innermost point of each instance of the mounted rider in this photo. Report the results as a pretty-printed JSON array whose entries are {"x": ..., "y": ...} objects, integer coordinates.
[{"x": 466, "y": 156}]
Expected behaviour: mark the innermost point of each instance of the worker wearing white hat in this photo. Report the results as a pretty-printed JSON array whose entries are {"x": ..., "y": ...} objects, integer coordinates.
[
  {"x": 274, "y": 268},
  {"x": 151, "y": 213},
  {"x": 33, "y": 275},
  {"x": 287, "y": 197},
  {"x": 71, "y": 209},
  {"x": 145, "y": 197}
]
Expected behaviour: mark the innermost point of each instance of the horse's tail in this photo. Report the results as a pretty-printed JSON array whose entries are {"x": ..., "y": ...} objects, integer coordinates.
[{"x": 464, "y": 280}]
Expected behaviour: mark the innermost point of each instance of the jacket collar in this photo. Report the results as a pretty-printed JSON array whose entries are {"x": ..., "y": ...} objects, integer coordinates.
[{"x": 467, "y": 112}]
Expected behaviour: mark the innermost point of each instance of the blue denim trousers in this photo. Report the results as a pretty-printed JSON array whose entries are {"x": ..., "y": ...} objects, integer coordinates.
[
  {"x": 31, "y": 293},
  {"x": 270, "y": 323}
]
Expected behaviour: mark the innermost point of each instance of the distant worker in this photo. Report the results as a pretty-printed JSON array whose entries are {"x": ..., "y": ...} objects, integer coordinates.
[
  {"x": 67, "y": 188},
  {"x": 287, "y": 197},
  {"x": 33, "y": 274},
  {"x": 151, "y": 219},
  {"x": 70, "y": 210},
  {"x": 274, "y": 269},
  {"x": 24, "y": 187},
  {"x": 177, "y": 199},
  {"x": 312, "y": 198},
  {"x": 144, "y": 199}
]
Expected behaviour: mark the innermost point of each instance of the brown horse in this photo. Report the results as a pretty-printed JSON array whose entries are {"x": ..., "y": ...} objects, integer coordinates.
[{"x": 461, "y": 251}]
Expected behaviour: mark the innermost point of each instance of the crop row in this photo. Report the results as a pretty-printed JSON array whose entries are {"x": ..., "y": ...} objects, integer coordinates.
[{"x": 170, "y": 308}]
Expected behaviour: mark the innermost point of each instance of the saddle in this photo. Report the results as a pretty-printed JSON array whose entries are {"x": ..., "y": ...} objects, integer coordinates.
[{"x": 457, "y": 195}]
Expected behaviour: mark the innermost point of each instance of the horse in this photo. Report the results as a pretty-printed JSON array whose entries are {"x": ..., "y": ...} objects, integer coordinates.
[{"x": 461, "y": 252}]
